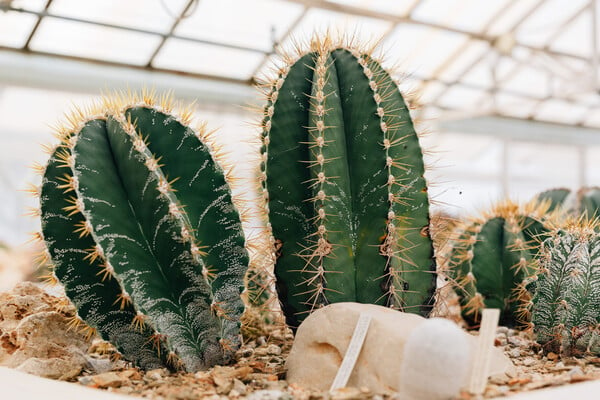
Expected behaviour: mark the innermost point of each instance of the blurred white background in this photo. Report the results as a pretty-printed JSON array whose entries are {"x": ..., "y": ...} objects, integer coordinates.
[{"x": 507, "y": 89}]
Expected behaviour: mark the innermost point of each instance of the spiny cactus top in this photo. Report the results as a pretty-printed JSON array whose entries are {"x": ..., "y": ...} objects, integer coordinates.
[
  {"x": 490, "y": 260},
  {"x": 566, "y": 305},
  {"x": 139, "y": 223},
  {"x": 342, "y": 174}
]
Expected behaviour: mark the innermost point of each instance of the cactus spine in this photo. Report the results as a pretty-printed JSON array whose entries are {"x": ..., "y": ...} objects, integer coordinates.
[
  {"x": 566, "y": 305},
  {"x": 490, "y": 261},
  {"x": 342, "y": 174},
  {"x": 154, "y": 264}
]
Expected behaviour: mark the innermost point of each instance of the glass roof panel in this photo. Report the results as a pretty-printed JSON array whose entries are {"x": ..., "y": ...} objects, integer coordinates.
[
  {"x": 96, "y": 42},
  {"x": 253, "y": 24},
  {"x": 460, "y": 98},
  {"x": 554, "y": 110},
  {"x": 31, "y": 5},
  {"x": 429, "y": 91},
  {"x": 425, "y": 50},
  {"x": 149, "y": 15},
  {"x": 183, "y": 55},
  {"x": 468, "y": 15},
  {"x": 513, "y": 13},
  {"x": 475, "y": 50},
  {"x": 528, "y": 81},
  {"x": 576, "y": 38},
  {"x": 315, "y": 20},
  {"x": 15, "y": 28},
  {"x": 514, "y": 106},
  {"x": 481, "y": 74},
  {"x": 397, "y": 7},
  {"x": 573, "y": 64},
  {"x": 544, "y": 22}
]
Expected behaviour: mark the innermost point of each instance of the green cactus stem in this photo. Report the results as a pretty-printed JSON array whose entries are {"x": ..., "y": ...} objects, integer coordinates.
[
  {"x": 139, "y": 223},
  {"x": 566, "y": 305},
  {"x": 342, "y": 174},
  {"x": 490, "y": 261}
]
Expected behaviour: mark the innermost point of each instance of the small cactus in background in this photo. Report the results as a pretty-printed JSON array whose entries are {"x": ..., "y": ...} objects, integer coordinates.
[
  {"x": 566, "y": 305},
  {"x": 342, "y": 174},
  {"x": 586, "y": 201},
  {"x": 139, "y": 223},
  {"x": 490, "y": 260}
]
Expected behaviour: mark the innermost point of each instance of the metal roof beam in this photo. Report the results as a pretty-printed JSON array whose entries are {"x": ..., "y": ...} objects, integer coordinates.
[
  {"x": 523, "y": 130},
  {"x": 63, "y": 73},
  {"x": 171, "y": 30},
  {"x": 36, "y": 26}
]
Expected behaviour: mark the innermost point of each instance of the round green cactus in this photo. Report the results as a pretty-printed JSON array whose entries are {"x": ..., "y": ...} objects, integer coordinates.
[
  {"x": 490, "y": 260},
  {"x": 140, "y": 225}
]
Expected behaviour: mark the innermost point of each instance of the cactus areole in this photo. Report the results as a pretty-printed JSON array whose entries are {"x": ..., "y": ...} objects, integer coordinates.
[
  {"x": 342, "y": 174},
  {"x": 140, "y": 226}
]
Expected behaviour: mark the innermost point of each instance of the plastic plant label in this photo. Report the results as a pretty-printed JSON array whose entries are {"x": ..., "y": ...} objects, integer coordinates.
[
  {"x": 354, "y": 348},
  {"x": 483, "y": 350}
]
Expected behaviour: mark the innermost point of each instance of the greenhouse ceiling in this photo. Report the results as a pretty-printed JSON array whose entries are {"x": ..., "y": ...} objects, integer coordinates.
[{"x": 527, "y": 59}]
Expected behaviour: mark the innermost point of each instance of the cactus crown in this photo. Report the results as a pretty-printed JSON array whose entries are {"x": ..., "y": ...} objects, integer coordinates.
[
  {"x": 342, "y": 175},
  {"x": 139, "y": 222},
  {"x": 490, "y": 260},
  {"x": 566, "y": 305}
]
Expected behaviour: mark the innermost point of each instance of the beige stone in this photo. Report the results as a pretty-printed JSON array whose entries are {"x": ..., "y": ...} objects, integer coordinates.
[
  {"x": 35, "y": 337},
  {"x": 322, "y": 339},
  {"x": 53, "y": 368}
]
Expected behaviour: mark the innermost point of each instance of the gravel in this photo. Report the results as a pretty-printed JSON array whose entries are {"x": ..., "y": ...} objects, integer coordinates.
[{"x": 259, "y": 374}]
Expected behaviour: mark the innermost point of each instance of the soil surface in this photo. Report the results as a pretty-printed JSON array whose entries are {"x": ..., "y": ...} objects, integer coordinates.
[{"x": 259, "y": 374}]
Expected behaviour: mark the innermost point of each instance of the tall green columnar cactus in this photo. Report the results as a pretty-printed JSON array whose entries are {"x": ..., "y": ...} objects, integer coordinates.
[
  {"x": 343, "y": 178},
  {"x": 586, "y": 201},
  {"x": 490, "y": 261},
  {"x": 139, "y": 223},
  {"x": 566, "y": 305}
]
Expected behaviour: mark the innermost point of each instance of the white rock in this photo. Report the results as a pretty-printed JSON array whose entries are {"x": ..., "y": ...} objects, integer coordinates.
[
  {"x": 435, "y": 362},
  {"x": 322, "y": 339}
]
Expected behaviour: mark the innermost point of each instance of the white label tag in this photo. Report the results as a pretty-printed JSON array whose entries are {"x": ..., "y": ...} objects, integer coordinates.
[
  {"x": 483, "y": 350},
  {"x": 354, "y": 348}
]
